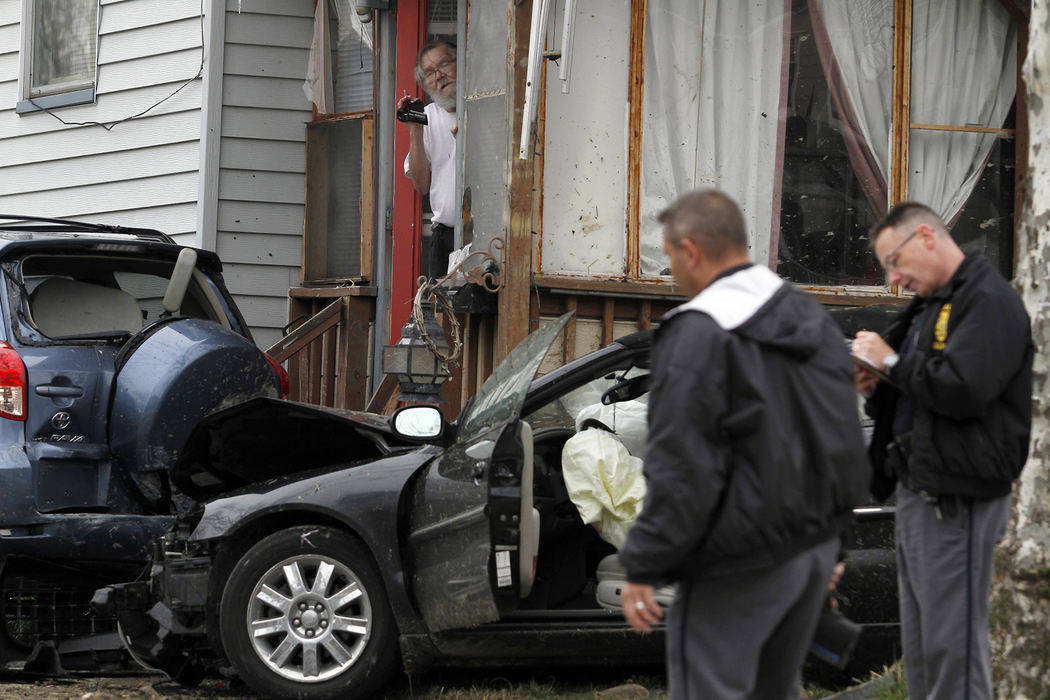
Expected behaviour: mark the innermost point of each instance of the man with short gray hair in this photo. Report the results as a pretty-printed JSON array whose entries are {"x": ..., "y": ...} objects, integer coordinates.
[{"x": 754, "y": 462}]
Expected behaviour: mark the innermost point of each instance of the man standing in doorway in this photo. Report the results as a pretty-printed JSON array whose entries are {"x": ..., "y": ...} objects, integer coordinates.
[
  {"x": 952, "y": 421},
  {"x": 431, "y": 161},
  {"x": 754, "y": 461}
]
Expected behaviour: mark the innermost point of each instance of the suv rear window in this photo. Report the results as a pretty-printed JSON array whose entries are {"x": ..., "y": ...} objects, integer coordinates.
[{"x": 98, "y": 296}]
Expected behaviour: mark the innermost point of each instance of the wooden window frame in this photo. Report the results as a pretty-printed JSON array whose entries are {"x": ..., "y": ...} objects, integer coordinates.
[
  {"x": 314, "y": 269},
  {"x": 633, "y": 282},
  {"x": 314, "y": 266}
]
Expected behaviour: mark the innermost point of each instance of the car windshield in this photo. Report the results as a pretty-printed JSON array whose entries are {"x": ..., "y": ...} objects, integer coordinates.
[
  {"x": 93, "y": 297},
  {"x": 502, "y": 395}
]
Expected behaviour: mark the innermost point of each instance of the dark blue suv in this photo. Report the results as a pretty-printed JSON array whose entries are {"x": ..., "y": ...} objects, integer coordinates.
[{"x": 114, "y": 342}]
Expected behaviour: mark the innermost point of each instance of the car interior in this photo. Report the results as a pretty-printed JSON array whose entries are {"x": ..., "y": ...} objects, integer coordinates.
[
  {"x": 576, "y": 570},
  {"x": 79, "y": 296}
]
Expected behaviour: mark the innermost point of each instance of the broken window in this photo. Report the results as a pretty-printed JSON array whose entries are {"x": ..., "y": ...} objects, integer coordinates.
[{"x": 792, "y": 112}]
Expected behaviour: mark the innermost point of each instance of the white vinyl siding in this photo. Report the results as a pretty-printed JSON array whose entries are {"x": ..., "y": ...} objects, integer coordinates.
[
  {"x": 262, "y": 174},
  {"x": 147, "y": 171},
  {"x": 143, "y": 172}
]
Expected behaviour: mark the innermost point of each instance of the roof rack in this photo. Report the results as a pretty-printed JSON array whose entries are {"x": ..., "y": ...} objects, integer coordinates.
[{"x": 45, "y": 225}]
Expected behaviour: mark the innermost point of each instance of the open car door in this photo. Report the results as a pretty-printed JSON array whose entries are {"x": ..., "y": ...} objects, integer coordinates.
[{"x": 473, "y": 531}]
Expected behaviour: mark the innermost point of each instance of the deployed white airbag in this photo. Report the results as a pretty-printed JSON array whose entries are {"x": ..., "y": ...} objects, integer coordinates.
[
  {"x": 627, "y": 419},
  {"x": 604, "y": 482}
]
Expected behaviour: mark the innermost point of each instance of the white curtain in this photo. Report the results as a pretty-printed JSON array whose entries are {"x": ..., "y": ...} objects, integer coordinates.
[
  {"x": 861, "y": 37},
  {"x": 712, "y": 112},
  {"x": 964, "y": 72}
]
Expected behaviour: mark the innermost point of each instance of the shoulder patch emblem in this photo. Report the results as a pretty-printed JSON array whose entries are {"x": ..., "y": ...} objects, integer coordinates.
[{"x": 940, "y": 330}]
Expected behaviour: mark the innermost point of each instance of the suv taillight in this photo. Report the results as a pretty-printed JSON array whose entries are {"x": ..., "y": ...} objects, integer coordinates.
[
  {"x": 282, "y": 376},
  {"x": 12, "y": 384}
]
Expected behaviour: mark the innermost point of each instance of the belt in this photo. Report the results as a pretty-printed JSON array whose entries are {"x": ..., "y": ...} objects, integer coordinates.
[{"x": 440, "y": 227}]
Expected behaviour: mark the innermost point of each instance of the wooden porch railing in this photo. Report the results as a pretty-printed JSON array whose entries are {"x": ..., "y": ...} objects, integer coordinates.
[{"x": 328, "y": 349}]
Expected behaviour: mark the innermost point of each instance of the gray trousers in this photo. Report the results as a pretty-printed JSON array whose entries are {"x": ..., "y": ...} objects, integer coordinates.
[
  {"x": 747, "y": 636},
  {"x": 944, "y": 570}
]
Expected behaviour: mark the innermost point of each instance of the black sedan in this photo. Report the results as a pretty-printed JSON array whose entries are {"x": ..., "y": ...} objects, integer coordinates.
[{"x": 453, "y": 544}]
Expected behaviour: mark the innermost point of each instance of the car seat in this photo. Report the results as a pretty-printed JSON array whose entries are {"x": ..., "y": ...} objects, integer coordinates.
[
  {"x": 529, "y": 539},
  {"x": 65, "y": 307},
  {"x": 612, "y": 576}
]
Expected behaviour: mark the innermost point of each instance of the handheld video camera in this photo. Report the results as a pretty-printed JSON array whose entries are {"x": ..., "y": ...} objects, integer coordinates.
[
  {"x": 412, "y": 111},
  {"x": 835, "y": 638}
]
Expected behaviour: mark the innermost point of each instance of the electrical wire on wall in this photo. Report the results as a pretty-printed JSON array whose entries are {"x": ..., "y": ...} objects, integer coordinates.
[{"x": 110, "y": 124}]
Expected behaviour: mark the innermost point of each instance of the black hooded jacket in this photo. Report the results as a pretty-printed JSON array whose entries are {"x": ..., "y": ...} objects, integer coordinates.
[
  {"x": 969, "y": 379},
  {"x": 755, "y": 449}
]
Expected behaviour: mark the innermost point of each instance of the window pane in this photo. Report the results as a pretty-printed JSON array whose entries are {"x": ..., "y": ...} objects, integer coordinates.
[
  {"x": 713, "y": 99},
  {"x": 351, "y": 60},
  {"x": 986, "y": 222},
  {"x": 344, "y": 200},
  {"x": 64, "y": 40},
  {"x": 964, "y": 74},
  {"x": 482, "y": 142},
  {"x": 833, "y": 170},
  {"x": 441, "y": 20}
]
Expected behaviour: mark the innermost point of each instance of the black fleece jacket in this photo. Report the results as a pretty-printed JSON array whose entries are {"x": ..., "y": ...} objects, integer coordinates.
[
  {"x": 755, "y": 449},
  {"x": 969, "y": 378}
]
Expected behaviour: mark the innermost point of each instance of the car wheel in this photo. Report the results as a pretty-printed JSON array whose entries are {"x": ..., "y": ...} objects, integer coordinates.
[{"x": 304, "y": 614}]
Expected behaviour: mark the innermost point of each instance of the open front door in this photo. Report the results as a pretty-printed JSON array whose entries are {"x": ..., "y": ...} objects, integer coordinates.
[{"x": 469, "y": 522}]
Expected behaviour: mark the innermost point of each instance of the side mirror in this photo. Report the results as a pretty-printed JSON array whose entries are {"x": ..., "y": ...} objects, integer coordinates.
[
  {"x": 418, "y": 422},
  {"x": 627, "y": 389}
]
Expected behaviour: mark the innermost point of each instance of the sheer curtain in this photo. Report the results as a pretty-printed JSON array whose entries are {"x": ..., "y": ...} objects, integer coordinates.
[
  {"x": 713, "y": 112},
  {"x": 964, "y": 72},
  {"x": 855, "y": 42}
]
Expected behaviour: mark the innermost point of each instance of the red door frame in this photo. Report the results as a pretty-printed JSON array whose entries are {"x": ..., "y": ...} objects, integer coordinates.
[{"x": 407, "y": 220}]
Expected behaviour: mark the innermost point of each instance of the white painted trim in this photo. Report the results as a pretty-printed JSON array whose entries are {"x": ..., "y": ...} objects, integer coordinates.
[
  {"x": 211, "y": 127},
  {"x": 60, "y": 99}
]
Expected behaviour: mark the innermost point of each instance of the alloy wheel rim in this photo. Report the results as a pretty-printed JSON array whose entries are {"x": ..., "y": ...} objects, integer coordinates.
[{"x": 309, "y": 618}]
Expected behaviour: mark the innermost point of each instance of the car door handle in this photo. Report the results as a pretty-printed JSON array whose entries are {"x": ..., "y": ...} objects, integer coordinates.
[{"x": 55, "y": 390}]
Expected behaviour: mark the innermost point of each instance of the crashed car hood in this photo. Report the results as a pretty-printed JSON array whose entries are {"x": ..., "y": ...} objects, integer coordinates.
[{"x": 265, "y": 438}]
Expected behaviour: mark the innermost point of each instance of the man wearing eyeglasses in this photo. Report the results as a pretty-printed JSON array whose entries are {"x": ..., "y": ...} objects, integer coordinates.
[
  {"x": 952, "y": 420},
  {"x": 431, "y": 161}
]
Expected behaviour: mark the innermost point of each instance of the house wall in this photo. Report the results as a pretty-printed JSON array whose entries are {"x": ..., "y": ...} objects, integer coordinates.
[
  {"x": 142, "y": 172},
  {"x": 585, "y": 184},
  {"x": 244, "y": 183},
  {"x": 262, "y": 156}
]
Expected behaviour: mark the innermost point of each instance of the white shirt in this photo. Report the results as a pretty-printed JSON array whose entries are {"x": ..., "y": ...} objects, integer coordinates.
[{"x": 440, "y": 146}]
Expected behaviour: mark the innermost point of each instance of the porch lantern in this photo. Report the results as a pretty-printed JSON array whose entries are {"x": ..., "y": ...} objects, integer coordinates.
[{"x": 418, "y": 365}]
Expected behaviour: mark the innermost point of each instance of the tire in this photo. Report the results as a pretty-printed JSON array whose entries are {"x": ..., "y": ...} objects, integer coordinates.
[{"x": 299, "y": 652}]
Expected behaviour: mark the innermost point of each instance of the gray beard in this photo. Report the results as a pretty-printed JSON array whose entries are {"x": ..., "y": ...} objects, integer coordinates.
[{"x": 445, "y": 102}]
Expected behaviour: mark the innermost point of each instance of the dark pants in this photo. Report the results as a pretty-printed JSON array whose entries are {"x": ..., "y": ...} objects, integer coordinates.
[
  {"x": 441, "y": 241},
  {"x": 745, "y": 637}
]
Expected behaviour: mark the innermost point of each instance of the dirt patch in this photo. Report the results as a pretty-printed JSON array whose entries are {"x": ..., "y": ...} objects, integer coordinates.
[
  {"x": 144, "y": 686},
  {"x": 475, "y": 684}
]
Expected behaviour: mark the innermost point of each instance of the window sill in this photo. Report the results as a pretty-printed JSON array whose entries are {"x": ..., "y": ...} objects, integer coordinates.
[{"x": 62, "y": 99}]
